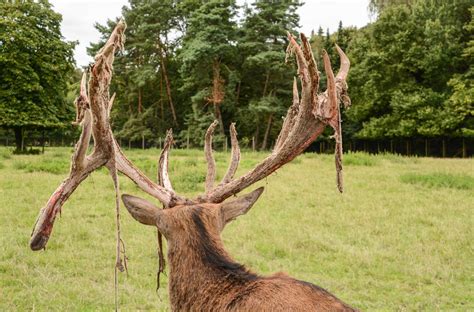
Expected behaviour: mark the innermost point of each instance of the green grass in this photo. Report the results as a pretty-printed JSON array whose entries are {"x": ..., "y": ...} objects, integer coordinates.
[
  {"x": 385, "y": 245},
  {"x": 439, "y": 180}
]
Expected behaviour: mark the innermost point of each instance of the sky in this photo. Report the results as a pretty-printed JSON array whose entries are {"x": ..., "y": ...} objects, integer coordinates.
[{"x": 79, "y": 17}]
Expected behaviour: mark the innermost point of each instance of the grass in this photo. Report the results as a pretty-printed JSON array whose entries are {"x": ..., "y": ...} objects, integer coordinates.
[
  {"x": 440, "y": 180},
  {"x": 399, "y": 239}
]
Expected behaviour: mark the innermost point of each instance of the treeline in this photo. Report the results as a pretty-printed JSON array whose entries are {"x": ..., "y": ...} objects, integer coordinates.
[{"x": 188, "y": 62}]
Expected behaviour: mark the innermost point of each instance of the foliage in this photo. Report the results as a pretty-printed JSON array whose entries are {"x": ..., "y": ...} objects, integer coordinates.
[
  {"x": 35, "y": 67},
  {"x": 406, "y": 66}
]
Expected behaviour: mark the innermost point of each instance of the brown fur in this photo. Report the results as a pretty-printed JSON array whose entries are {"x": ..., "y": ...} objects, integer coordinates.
[{"x": 203, "y": 277}]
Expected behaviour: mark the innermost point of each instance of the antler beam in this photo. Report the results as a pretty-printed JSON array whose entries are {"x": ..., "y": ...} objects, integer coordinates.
[
  {"x": 305, "y": 120},
  {"x": 92, "y": 112}
]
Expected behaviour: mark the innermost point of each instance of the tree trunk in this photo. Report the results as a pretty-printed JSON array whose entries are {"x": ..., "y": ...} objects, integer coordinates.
[
  {"x": 167, "y": 83},
  {"x": 237, "y": 96},
  {"x": 161, "y": 98},
  {"x": 140, "y": 108},
  {"x": 217, "y": 112},
  {"x": 19, "y": 141},
  {"x": 257, "y": 134},
  {"x": 217, "y": 95},
  {"x": 444, "y": 148},
  {"x": 267, "y": 132},
  {"x": 265, "y": 86},
  {"x": 42, "y": 142},
  {"x": 464, "y": 149}
]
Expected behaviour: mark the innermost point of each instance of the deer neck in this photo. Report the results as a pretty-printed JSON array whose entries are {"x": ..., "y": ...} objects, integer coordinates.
[{"x": 199, "y": 265}]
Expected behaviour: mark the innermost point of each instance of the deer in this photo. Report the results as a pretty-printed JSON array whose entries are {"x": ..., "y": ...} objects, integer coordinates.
[{"x": 202, "y": 274}]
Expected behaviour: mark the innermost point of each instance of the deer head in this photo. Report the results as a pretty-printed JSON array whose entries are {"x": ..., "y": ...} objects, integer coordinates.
[
  {"x": 184, "y": 220},
  {"x": 176, "y": 223}
]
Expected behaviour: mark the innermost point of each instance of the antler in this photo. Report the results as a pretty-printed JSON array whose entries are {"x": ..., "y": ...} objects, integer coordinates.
[
  {"x": 305, "y": 121},
  {"x": 92, "y": 113}
]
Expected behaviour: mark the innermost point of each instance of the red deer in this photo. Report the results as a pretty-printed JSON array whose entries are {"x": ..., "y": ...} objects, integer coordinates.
[{"x": 203, "y": 276}]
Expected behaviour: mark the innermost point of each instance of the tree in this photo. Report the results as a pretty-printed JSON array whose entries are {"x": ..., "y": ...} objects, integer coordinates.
[
  {"x": 35, "y": 66},
  {"x": 460, "y": 105},
  {"x": 403, "y": 63},
  {"x": 207, "y": 61},
  {"x": 377, "y": 6},
  {"x": 265, "y": 78}
]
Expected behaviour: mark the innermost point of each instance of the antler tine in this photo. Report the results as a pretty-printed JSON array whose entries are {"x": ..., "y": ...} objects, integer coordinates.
[
  {"x": 289, "y": 119},
  {"x": 235, "y": 156},
  {"x": 303, "y": 71},
  {"x": 111, "y": 104},
  {"x": 83, "y": 116},
  {"x": 211, "y": 164},
  {"x": 334, "y": 118},
  {"x": 163, "y": 176},
  {"x": 331, "y": 84},
  {"x": 345, "y": 64},
  {"x": 312, "y": 67},
  {"x": 305, "y": 121}
]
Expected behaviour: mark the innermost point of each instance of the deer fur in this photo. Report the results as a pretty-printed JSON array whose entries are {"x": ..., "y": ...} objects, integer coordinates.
[{"x": 202, "y": 274}]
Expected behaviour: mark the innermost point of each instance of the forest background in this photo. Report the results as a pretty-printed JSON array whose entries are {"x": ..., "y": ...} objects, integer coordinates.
[{"x": 188, "y": 62}]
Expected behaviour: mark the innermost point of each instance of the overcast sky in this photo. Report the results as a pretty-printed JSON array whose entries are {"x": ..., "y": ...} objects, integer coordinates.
[{"x": 79, "y": 17}]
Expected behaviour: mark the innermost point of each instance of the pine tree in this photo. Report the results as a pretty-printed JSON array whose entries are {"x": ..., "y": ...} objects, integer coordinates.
[{"x": 266, "y": 79}]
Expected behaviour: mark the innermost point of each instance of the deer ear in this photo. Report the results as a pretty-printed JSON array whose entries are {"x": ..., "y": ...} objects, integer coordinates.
[
  {"x": 232, "y": 209},
  {"x": 141, "y": 210}
]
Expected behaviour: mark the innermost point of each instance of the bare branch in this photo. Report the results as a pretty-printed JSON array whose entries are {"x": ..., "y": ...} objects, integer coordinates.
[
  {"x": 163, "y": 176},
  {"x": 235, "y": 156},
  {"x": 211, "y": 163}
]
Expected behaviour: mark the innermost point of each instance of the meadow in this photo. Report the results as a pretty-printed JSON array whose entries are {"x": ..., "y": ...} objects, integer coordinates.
[{"x": 399, "y": 239}]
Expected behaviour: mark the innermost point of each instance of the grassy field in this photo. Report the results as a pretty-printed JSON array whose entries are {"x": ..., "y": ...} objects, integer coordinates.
[{"x": 399, "y": 239}]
